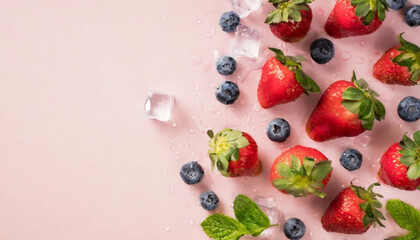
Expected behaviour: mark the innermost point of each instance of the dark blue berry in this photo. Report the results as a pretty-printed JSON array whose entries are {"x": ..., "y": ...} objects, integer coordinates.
[
  {"x": 294, "y": 229},
  {"x": 229, "y": 21},
  {"x": 351, "y": 159},
  {"x": 278, "y": 130},
  {"x": 227, "y": 92},
  {"x": 209, "y": 200},
  {"x": 191, "y": 173},
  {"x": 396, "y": 4},
  {"x": 226, "y": 65},
  {"x": 412, "y": 16},
  {"x": 409, "y": 109},
  {"x": 322, "y": 50}
]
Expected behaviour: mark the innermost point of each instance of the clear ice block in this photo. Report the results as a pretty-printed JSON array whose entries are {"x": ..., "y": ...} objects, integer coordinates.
[
  {"x": 268, "y": 206},
  {"x": 245, "y": 7},
  {"x": 159, "y": 106},
  {"x": 247, "y": 42}
]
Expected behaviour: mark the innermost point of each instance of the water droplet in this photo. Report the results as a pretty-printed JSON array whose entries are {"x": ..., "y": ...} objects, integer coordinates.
[
  {"x": 167, "y": 228},
  {"x": 173, "y": 124},
  {"x": 198, "y": 21},
  {"x": 164, "y": 170},
  {"x": 360, "y": 60},
  {"x": 209, "y": 33},
  {"x": 310, "y": 234},
  {"x": 362, "y": 43},
  {"x": 242, "y": 102},
  {"x": 334, "y": 75},
  {"x": 173, "y": 149},
  {"x": 256, "y": 108},
  {"x": 196, "y": 87},
  {"x": 191, "y": 221},
  {"x": 254, "y": 190},
  {"x": 171, "y": 189},
  {"x": 342, "y": 185},
  {"x": 345, "y": 55},
  {"x": 164, "y": 17},
  {"x": 373, "y": 165}
]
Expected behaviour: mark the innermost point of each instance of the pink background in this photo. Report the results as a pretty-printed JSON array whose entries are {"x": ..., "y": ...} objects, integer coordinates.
[{"x": 78, "y": 158}]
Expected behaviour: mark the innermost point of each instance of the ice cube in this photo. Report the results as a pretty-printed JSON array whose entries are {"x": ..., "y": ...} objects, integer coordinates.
[
  {"x": 268, "y": 206},
  {"x": 159, "y": 105},
  {"x": 245, "y": 7},
  {"x": 247, "y": 42}
]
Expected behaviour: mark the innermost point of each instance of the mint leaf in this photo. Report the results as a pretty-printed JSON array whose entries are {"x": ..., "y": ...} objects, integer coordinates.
[
  {"x": 221, "y": 227},
  {"x": 414, "y": 171},
  {"x": 410, "y": 236},
  {"x": 249, "y": 214},
  {"x": 404, "y": 215}
]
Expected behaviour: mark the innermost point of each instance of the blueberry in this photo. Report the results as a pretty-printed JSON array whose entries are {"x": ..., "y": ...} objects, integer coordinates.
[
  {"x": 209, "y": 200},
  {"x": 294, "y": 228},
  {"x": 278, "y": 130},
  {"x": 396, "y": 4},
  {"x": 227, "y": 92},
  {"x": 351, "y": 159},
  {"x": 191, "y": 173},
  {"x": 226, "y": 65},
  {"x": 409, "y": 109},
  {"x": 322, "y": 50},
  {"x": 412, "y": 16},
  {"x": 229, "y": 21}
]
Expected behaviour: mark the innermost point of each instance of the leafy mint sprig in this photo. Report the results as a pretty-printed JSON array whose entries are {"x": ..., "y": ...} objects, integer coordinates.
[
  {"x": 411, "y": 155},
  {"x": 294, "y": 65},
  {"x": 362, "y": 101},
  {"x": 250, "y": 221},
  {"x": 406, "y": 216},
  {"x": 409, "y": 57}
]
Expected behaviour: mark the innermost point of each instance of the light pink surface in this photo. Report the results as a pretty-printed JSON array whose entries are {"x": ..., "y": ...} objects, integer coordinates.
[{"x": 78, "y": 159}]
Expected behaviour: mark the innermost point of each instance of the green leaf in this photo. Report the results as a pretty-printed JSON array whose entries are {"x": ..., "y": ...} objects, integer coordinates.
[
  {"x": 362, "y": 84},
  {"x": 367, "y": 220},
  {"x": 414, "y": 171},
  {"x": 416, "y": 137},
  {"x": 404, "y": 215},
  {"x": 235, "y": 155},
  {"x": 221, "y": 227},
  {"x": 295, "y": 163},
  {"x": 308, "y": 164},
  {"x": 366, "y": 109},
  {"x": 379, "y": 109},
  {"x": 306, "y": 82},
  {"x": 241, "y": 142},
  {"x": 353, "y": 93},
  {"x": 321, "y": 170},
  {"x": 408, "y": 45},
  {"x": 281, "y": 183},
  {"x": 407, "y": 161},
  {"x": 284, "y": 170},
  {"x": 232, "y": 135},
  {"x": 362, "y": 9},
  {"x": 352, "y": 106},
  {"x": 410, "y": 236},
  {"x": 408, "y": 143},
  {"x": 248, "y": 213},
  {"x": 367, "y": 124}
]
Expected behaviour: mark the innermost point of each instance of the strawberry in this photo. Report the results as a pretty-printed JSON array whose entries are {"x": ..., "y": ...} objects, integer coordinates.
[
  {"x": 353, "y": 211},
  {"x": 282, "y": 80},
  {"x": 301, "y": 171},
  {"x": 355, "y": 17},
  {"x": 399, "y": 65},
  {"x": 291, "y": 20},
  {"x": 400, "y": 164},
  {"x": 234, "y": 153},
  {"x": 346, "y": 109}
]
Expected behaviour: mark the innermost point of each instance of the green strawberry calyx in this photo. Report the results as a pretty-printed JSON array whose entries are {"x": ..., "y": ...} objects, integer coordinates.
[
  {"x": 301, "y": 181},
  {"x": 224, "y": 147},
  {"x": 294, "y": 65},
  {"x": 368, "y": 9},
  {"x": 409, "y": 57},
  {"x": 370, "y": 206},
  {"x": 362, "y": 101},
  {"x": 287, "y": 10},
  {"x": 411, "y": 155}
]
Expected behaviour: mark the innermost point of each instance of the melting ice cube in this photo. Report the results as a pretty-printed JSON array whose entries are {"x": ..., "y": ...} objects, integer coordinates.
[
  {"x": 247, "y": 42},
  {"x": 159, "y": 106},
  {"x": 245, "y": 7},
  {"x": 268, "y": 206}
]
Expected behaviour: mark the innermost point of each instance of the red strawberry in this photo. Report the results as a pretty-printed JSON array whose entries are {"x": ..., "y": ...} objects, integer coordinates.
[
  {"x": 400, "y": 165},
  {"x": 282, "y": 80},
  {"x": 355, "y": 17},
  {"x": 301, "y": 171},
  {"x": 353, "y": 211},
  {"x": 346, "y": 109},
  {"x": 234, "y": 153},
  {"x": 291, "y": 20},
  {"x": 399, "y": 65}
]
